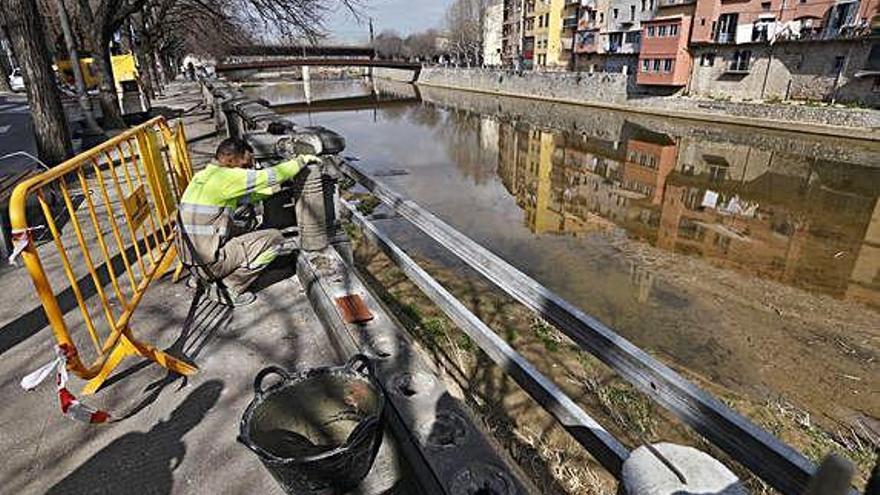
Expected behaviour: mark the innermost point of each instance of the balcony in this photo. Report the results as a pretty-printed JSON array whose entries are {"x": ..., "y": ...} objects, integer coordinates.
[
  {"x": 674, "y": 3},
  {"x": 566, "y": 43},
  {"x": 725, "y": 38},
  {"x": 570, "y": 22}
]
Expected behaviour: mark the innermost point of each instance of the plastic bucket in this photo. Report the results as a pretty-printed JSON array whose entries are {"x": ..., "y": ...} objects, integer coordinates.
[{"x": 317, "y": 431}]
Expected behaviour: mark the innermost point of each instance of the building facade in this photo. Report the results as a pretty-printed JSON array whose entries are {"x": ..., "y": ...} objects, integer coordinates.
[
  {"x": 665, "y": 58},
  {"x": 809, "y": 50},
  {"x": 746, "y": 50},
  {"x": 512, "y": 32},
  {"x": 542, "y": 40},
  {"x": 493, "y": 34}
]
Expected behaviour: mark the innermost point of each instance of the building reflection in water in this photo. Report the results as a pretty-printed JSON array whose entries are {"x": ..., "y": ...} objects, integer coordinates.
[{"x": 805, "y": 222}]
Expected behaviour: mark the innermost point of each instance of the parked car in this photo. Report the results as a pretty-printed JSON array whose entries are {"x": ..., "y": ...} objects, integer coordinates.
[{"x": 16, "y": 80}]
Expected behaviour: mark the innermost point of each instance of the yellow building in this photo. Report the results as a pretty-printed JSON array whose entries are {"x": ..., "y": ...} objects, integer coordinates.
[{"x": 543, "y": 40}]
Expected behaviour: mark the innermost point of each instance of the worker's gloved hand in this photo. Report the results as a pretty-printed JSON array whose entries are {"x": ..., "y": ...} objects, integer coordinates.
[{"x": 310, "y": 160}]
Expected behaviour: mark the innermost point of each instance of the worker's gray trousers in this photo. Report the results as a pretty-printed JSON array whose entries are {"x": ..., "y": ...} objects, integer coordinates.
[{"x": 242, "y": 258}]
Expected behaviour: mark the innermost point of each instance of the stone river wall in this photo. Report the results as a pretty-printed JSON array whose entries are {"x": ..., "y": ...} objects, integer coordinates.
[{"x": 618, "y": 91}]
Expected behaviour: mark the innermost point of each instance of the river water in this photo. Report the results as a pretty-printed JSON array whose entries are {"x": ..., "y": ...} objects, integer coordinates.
[{"x": 748, "y": 258}]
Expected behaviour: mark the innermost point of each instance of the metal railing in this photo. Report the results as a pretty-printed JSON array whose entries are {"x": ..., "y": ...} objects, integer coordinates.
[
  {"x": 109, "y": 213},
  {"x": 773, "y": 461}
]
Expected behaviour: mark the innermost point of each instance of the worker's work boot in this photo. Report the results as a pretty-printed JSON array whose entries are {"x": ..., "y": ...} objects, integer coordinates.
[
  {"x": 226, "y": 297},
  {"x": 243, "y": 299}
]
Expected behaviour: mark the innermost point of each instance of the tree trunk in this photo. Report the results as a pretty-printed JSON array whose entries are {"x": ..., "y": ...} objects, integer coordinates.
[
  {"x": 6, "y": 65},
  {"x": 82, "y": 94},
  {"x": 5, "y": 87},
  {"x": 107, "y": 96},
  {"x": 144, "y": 50},
  {"x": 50, "y": 125}
]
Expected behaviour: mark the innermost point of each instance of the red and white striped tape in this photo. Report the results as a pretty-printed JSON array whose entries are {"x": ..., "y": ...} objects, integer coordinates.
[
  {"x": 21, "y": 239},
  {"x": 70, "y": 406}
]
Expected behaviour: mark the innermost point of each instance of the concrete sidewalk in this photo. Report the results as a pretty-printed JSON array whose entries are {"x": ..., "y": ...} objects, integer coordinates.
[{"x": 172, "y": 434}]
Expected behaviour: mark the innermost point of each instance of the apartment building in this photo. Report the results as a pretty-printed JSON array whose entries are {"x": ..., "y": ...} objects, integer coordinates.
[
  {"x": 542, "y": 40},
  {"x": 608, "y": 34},
  {"x": 665, "y": 58},
  {"x": 588, "y": 40},
  {"x": 804, "y": 49},
  {"x": 746, "y": 49},
  {"x": 493, "y": 29},
  {"x": 512, "y": 32}
]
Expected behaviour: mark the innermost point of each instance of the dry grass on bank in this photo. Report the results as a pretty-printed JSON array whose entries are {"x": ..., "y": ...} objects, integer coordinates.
[{"x": 541, "y": 447}]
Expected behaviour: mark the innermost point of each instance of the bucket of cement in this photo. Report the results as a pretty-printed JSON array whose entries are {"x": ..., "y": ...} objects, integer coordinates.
[{"x": 317, "y": 431}]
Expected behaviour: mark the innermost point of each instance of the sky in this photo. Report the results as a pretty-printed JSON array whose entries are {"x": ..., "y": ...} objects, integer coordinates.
[{"x": 403, "y": 16}]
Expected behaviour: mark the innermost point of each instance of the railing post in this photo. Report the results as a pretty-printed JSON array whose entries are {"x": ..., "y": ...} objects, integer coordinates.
[{"x": 312, "y": 210}]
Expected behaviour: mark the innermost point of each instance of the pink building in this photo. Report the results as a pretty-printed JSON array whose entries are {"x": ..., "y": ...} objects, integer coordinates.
[
  {"x": 664, "y": 59},
  {"x": 722, "y": 21}
]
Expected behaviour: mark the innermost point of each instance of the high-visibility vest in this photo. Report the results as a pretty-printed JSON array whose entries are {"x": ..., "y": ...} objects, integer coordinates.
[{"x": 210, "y": 199}]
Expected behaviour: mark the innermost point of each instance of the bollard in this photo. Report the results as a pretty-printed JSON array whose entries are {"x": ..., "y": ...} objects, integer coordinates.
[
  {"x": 669, "y": 469},
  {"x": 833, "y": 477},
  {"x": 311, "y": 211}
]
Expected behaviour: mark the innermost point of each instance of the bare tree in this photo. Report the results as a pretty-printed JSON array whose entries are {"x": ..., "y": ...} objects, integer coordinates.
[
  {"x": 423, "y": 45},
  {"x": 389, "y": 44},
  {"x": 464, "y": 24},
  {"x": 24, "y": 22}
]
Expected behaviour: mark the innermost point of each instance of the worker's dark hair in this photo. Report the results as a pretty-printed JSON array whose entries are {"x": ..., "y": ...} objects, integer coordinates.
[{"x": 234, "y": 147}]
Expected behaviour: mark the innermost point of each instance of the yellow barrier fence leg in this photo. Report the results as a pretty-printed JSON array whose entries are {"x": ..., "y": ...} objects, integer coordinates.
[
  {"x": 166, "y": 262},
  {"x": 122, "y": 350},
  {"x": 129, "y": 347},
  {"x": 162, "y": 358},
  {"x": 178, "y": 272}
]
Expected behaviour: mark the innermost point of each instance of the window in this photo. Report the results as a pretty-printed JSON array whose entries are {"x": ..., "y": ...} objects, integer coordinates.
[
  {"x": 644, "y": 5},
  {"x": 707, "y": 60},
  {"x": 656, "y": 65},
  {"x": 601, "y": 17},
  {"x": 592, "y": 16},
  {"x": 667, "y": 65},
  {"x": 547, "y": 19},
  {"x": 651, "y": 4},
  {"x": 614, "y": 41},
  {"x": 661, "y": 31},
  {"x": 632, "y": 12},
  {"x": 702, "y": 21},
  {"x": 673, "y": 30},
  {"x": 765, "y": 6},
  {"x": 740, "y": 61},
  {"x": 646, "y": 65},
  {"x": 760, "y": 29},
  {"x": 614, "y": 13},
  {"x": 632, "y": 37},
  {"x": 541, "y": 21},
  {"x": 650, "y": 31},
  {"x": 727, "y": 28}
]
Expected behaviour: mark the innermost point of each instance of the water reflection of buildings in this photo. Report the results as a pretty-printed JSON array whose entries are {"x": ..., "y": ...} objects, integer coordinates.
[{"x": 802, "y": 221}]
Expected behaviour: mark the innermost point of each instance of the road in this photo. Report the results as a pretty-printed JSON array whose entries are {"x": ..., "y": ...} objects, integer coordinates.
[{"x": 16, "y": 133}]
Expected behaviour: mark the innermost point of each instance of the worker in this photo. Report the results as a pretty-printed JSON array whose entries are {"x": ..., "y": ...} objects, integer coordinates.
[{"x": 209, "y": 242}]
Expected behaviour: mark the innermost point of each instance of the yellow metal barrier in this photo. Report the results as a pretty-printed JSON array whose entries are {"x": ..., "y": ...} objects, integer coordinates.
[{"x": 127, "y": 190}]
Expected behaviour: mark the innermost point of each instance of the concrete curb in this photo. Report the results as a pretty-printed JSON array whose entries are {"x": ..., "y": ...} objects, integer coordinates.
[{"x": 772, "y": 124}]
